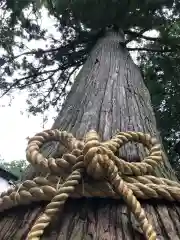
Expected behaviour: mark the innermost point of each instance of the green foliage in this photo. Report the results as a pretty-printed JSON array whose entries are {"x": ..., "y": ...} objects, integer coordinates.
[
  {"x": 161, "y": 74},
  {"x": 16, "y": 167},
  {"x": 123, "y": 13},
  {"x": 47, "y": 72}
]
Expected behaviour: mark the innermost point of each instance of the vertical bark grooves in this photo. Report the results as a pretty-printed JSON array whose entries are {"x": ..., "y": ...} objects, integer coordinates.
[
  {"x": 86, "y": 219},
  {"x": 110, "y": 95},
  {"x": 107, "y": 95}
]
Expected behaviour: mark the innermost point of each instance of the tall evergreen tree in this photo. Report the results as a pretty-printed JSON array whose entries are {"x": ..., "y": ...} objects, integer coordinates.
[
  {"x": 108, "y": 94},
  {"x": 44, "y": 72}
]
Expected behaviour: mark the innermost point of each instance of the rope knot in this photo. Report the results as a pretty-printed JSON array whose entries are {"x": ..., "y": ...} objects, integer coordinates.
[
  {"x": 127, "y": 179},
  {"x": 95, "y": 156}
]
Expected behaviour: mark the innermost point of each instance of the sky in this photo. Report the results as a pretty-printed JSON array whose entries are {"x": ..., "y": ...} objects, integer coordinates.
[{"x": 15, "y": 127}]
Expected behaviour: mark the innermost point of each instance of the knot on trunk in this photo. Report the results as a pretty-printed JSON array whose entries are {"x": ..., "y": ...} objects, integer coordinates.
[{"x": 63, "y": 175}]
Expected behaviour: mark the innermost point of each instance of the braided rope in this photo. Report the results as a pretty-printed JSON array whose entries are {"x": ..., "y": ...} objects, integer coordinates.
[
  {"x": 111, "y": 176},
  {"x": 53, "y": 207}
]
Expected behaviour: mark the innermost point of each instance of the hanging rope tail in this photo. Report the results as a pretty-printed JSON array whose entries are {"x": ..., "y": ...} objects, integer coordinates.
[
  {"x": 56, "y": 203},
  {"x": 113, "y": 177}
]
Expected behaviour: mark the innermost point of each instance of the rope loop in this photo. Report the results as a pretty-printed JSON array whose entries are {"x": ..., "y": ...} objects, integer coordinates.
[
  {"x": 143, "y": 167},
  {"x": 116, "y": 177}
]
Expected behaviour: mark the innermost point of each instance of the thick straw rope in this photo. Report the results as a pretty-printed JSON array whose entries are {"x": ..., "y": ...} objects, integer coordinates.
[{"x": 115, "y": 177}]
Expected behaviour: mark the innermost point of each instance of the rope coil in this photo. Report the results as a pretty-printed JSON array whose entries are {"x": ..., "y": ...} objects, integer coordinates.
[{"x": 120, "y": 178}]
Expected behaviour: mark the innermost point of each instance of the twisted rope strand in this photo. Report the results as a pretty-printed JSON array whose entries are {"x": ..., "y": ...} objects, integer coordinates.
[
  {"x": 122, "y": 189},
  {"x": 97, "y": 159},
  {"x": 53, "y": 207},
  {"x": 96, "y": 153},
  {"x": 135, "y": 207}
]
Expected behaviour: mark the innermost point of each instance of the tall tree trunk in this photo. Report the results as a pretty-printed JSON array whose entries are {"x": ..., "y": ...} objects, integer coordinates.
[{"x": 108, "y": 95}]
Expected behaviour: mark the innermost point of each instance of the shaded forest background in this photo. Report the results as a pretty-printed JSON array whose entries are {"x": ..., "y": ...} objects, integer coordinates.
[{"x": 47, "y": 73}]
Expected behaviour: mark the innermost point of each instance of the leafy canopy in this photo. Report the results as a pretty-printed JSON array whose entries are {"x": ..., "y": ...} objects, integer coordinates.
[
  {"x": 46, "y": 72},
  {"x": 15, "y": 167}
]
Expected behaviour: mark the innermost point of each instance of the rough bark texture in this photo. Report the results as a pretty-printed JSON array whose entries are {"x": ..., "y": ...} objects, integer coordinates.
[{"x": 108, "y": 94}]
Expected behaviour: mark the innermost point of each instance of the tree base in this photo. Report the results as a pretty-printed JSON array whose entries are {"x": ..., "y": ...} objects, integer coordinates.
[{"x": 92, "y": 218}]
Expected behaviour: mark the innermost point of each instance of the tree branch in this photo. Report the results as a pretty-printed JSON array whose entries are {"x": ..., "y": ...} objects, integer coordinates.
[
  {"x": 150, "y": 50},
  {"x": 134, "y": 37},
  {"x": 36, "y": 51},
  {"x": 173, "y": 45},
  {"x": 29, "y": 76},
  {"x": 35, "y": 82},
  {"x": 139, "y": 34},
  {"x": 61, "y": 48},
  {"x": 70, "y": 74},
  {"x": 67, "y": 81}
]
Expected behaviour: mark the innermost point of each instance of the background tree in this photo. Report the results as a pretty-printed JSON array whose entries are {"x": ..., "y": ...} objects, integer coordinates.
[
  {"x": 16, "y": 167},
  {"x": 164, "y": 67},
  {"x": 108, "y": 94}
]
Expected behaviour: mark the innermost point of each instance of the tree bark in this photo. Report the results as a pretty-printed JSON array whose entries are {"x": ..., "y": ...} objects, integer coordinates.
[{"x": 108, "y": 95}]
